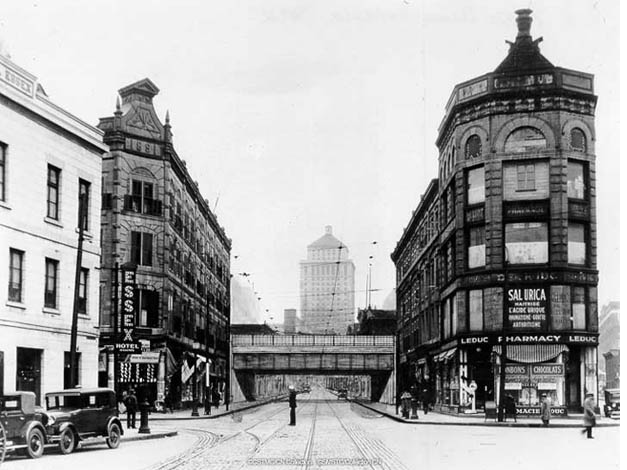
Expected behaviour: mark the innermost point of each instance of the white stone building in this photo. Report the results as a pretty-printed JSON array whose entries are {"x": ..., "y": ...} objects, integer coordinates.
[
  {"x": 327, "y": 287},
  {"x": 46, "y": 155}
]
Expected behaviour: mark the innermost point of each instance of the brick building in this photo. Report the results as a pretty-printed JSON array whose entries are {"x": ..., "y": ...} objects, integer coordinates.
[
  {"x": 514, "y": 258},
  {"x": 47, "y": 158},
  {"x": 154, "y": 217}
]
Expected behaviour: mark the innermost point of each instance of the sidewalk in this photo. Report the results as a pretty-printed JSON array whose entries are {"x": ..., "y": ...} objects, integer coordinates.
[
  {"x": 156, "y": 432},
  {"x": 186, "y": 414},
  {"x": 478, "y": 419}
]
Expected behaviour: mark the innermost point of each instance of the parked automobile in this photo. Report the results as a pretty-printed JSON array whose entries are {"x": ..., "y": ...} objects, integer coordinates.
[
  {"x": 24, "y": 424},
  {"x": 612, "y": 403},
  {"x": 77, "y": 414}
]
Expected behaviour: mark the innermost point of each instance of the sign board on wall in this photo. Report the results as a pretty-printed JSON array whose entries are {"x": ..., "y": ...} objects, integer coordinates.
[
  {"x": 128, "y": 306},
  {"x": 527, "y": 308}
]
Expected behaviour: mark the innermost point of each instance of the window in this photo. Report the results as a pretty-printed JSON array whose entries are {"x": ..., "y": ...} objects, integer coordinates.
[
  {"x": 141, "y": 248},
  {"x": 473, "y": 146},
  {"x": 578, "y": 308},
  {"x": 577, "y": 140},
  {"x": 476, "y": 247},
  {"x": 3, "y": 171},
  {"x": 475, "y": 310},
  {"x": 475, "y": 185},
  {"x": 147, "y": 308},
  {"x": 526, "y": 177},
  {"x": 51, "y": 282},
  {"x": 54, "y": 176},
  {"x": 83, "y": 198},
  {"x": 82, "y": 290},
  {"x": 527, "y": 243},
  {"x": 525, "y": 139},
  {"x": 446, "y": 315},
  {"x": 16, "y": 274},
  {"x": 576, "y": 243},
  {"x": 142, "y": 199},
  {"x": 576, "y": 185}
]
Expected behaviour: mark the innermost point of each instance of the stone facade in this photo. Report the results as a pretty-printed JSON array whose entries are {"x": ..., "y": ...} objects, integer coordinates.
[
  {"x": 45, "y": 154},
  {"x": 327, "y": 287},
  {"x": 516, "y": 205},
  {"x": 154, "y": 217}
]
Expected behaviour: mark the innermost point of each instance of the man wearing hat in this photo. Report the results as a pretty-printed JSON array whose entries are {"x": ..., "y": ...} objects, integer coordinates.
[
  {"x": 589, "y": 418},
  {"x": 545, "y": 410},
  {"x": 292, "y": 405},
  {"x": 131, "y": 408}
]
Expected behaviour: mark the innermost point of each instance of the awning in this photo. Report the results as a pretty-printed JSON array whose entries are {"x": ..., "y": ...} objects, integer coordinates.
[
  {"x": 449, "y": 354},
  {"x": 530, "y": 354}
]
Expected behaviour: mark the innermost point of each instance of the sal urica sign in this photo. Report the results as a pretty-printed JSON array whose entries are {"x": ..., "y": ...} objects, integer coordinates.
[{"x": 527, "y": 308}]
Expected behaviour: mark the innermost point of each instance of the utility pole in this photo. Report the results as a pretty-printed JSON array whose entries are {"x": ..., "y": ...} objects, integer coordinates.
[
  {"x": 82, "y": 206},
  {"x": 503, "y": 364}
]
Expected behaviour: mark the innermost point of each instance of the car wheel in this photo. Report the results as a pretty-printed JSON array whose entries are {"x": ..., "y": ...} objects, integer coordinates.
[
  {"x": 113, "y": 441},
  {"x": 67, "y": 441},
  {"x": 35, "y": 444}
]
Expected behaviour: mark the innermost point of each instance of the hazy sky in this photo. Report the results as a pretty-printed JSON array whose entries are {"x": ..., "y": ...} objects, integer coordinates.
[{"x": 294, "y": 115}]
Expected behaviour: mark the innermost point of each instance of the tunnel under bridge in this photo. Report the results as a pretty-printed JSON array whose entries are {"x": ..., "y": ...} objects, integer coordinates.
[{"x": 267, "y": 364}]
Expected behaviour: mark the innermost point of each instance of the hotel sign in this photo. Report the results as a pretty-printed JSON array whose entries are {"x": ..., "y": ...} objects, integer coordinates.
[
  {"x": 128, "y": 343},
  {"x": 527, "y": 308}
]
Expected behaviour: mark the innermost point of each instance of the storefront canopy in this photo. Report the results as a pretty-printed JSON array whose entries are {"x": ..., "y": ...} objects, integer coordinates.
[{"x": 529, "y": 354}]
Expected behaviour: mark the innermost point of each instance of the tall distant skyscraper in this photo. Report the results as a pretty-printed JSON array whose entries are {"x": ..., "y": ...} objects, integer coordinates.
[{"x": 327, "y": 286}]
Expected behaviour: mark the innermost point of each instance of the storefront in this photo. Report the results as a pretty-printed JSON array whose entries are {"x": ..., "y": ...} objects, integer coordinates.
[{"x": 562, "y": 365}]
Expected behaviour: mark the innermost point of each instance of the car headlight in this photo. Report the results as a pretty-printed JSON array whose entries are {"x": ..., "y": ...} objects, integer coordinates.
[{"x": 51, "y": 420}]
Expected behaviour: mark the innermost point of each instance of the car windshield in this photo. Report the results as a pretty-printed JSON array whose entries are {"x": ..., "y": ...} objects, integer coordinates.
[{"x": 55, "y": 402}]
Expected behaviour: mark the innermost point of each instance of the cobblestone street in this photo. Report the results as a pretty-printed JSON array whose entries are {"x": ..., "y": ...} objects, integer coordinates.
[{"x": 335, "y": 434}]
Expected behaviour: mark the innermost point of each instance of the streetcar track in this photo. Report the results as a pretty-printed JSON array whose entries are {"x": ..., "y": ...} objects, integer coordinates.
[
  {"x": 310, "y": 439},
  {"x": 206, "y": 440}
]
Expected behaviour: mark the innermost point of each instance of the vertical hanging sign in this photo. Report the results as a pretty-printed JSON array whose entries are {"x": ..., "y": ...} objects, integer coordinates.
[{"x": 128, "y": 343}]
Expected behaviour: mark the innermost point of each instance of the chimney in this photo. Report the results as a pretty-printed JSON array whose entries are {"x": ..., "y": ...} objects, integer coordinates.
[
  {"x": 328, "y": 230},
  {"x": 523, "y": 20}
]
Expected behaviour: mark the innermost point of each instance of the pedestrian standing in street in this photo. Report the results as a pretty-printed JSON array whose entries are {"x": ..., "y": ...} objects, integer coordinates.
[
  {"x": 215, "y": 396},
  {"x": 545, "y": 410},
  {"x": 131, "y": 408},
  {"x": 292, "y": 399},
  {"x": 589, "y": 418}
]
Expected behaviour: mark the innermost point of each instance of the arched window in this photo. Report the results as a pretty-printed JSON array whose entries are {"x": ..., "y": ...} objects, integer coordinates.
[
  {"x": 577, "y": 140},
  {"x": 473, "y": 146},
  {"x": 525, "y": 139}
]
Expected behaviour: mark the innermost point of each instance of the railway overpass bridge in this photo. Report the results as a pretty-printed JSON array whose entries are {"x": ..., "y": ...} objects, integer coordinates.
[{"x": 279, "y": 359}]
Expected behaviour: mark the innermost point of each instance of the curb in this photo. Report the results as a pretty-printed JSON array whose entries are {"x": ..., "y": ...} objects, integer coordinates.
[
  {"x": 485, "y": 423},
  {"x": 137, "y": 437},
  {"x": 216, "y": 416}
]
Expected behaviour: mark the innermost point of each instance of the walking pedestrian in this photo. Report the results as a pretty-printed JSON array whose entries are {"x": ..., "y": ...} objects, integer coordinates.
[
  {"x": 425, "y": 400},
  {"x": 131, "y": 408},
  {"x": 292, "y": 399},
  {"x": 208, "y": 402},
  {"x": 510, "y": 407},
  {"x": 545, "y": 410},
  {"x": 589, "y": 418}
]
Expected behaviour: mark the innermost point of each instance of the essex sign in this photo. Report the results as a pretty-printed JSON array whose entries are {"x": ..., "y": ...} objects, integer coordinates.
[
  {"x": 128, "y": 343},
  {"x": 527, "y": 308}
]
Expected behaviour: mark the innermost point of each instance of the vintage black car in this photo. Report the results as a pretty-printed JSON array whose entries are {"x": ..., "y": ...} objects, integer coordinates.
[
  {"x": 77, "y": 414},
  {"x": 24, "y": 424},
  {"x": 612, "y": 403}
]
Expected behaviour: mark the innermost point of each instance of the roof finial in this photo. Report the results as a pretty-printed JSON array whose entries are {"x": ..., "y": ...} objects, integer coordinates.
[
  {"x": 523, "y": 20},
  {"x": 167, "y": 117},
  {"x": 118, "y": 108}
]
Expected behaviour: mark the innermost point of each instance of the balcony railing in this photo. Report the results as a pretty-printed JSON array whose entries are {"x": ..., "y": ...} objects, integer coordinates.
[{"x": 142, "y": 205}]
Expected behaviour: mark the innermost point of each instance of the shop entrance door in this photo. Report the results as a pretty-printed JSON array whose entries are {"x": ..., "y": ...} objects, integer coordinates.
[
  {"x": 29, "y": 371},
  {"x": 573, "y": 380}
]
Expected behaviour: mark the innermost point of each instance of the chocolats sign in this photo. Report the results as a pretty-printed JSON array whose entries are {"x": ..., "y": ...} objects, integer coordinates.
[{"x": 527, "y": 308}]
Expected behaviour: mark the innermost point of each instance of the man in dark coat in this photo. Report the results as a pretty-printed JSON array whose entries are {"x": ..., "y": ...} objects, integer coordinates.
[
  {"x": 545, "y": 410},
  {"x": 292, "y": 399},
  {"x": 589, "y": 418},
  {"x": 131, "y": 408}
]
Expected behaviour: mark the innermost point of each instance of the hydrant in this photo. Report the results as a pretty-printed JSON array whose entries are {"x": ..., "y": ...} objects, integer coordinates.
[{"x": 144, "y": 408}]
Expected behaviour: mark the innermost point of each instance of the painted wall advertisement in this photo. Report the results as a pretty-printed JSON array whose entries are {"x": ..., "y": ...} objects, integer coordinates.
[{"x": 527, "y": 308}]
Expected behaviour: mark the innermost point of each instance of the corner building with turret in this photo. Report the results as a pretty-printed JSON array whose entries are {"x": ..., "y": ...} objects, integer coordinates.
[{"x": 516, "y": 260}]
